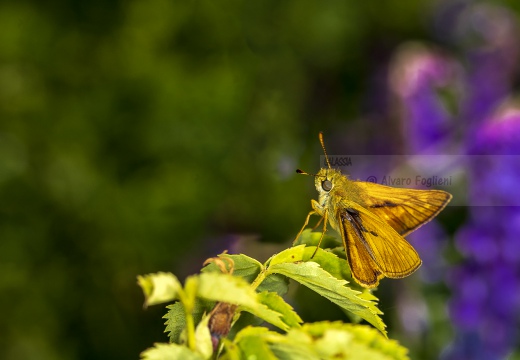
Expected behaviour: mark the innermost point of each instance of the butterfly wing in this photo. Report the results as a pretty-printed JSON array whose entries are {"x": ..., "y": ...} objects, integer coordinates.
[
  {"x": 405, "y": 210},
  {"x": 374, "y": 249}
]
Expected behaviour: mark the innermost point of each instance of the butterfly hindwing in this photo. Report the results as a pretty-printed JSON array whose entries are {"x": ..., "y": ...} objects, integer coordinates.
[{"x": 374, "y": 249}]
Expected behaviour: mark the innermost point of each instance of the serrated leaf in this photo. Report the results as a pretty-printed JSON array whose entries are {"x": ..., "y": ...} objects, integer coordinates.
[
  {"x": 330, "y": 262},
  {"x": 169, "y": 352},
  {"x": 336, "y": 266},
  {"x": 175, "y": 321},
  {"x": 159, "y": 287},
  {"x": 226, "y": 288},
  {"x": 291, "y": 255},
  {"x": 243, "y": 266},
  {"x": 263, "y": 312},
  {"x": 203, "y": 341},
  {"x": 311, "y": 275},
  {"x": 233, "y": 290},
  {"x": 176, "y": 318},
  {"x": 275, "y": 302}
]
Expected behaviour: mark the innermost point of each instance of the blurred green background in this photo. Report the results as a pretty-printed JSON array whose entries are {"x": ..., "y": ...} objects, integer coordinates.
[{"x": 143, "y": 136}]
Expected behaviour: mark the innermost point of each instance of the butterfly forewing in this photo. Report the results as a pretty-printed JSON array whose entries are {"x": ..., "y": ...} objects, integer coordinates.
[
  {"x": 374, "y": 249},
  {"x": 405, "y": 210}
]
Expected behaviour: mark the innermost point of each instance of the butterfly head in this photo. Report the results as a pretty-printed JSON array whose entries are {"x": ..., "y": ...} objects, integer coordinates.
[{"x": 326, "y": 178}]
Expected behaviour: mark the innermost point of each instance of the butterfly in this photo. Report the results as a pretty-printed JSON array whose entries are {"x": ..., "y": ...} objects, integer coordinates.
[{"x": 372, "y": 220}]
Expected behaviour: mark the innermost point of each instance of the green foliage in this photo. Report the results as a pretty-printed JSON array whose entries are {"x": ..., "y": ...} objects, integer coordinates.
[
  {"x": 323, "y": 340},
  {"x": 159, "y": 288},
  {"x": 170, "y": 351},
  {"x": 128, "y": 127},
  {"x": 200, "y": 328}
]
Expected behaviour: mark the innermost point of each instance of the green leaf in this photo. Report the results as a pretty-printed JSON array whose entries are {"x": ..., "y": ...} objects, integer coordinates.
[
  {"x": 336, "y": 266},
  {"x": 232, "y": 350},
  {"x": 159, "y": 287},
  {"x": 255, "y": 348},
  {"x": 281, "y": 346},
  {"x": 248, "y": 269},
  {"x": 370, "y": 337},
  {"x": 226, "y": 288},
  {"x": 275, "y": 302},
  {"x": 170, "y": 352},
  {"x": 244, "y": 266},
  {"x": 253, "y": 343},
  {"x": 293, "y": 351},
  {"x": 312, "y": 238},
  {"x": 274, "y": 283},
  {"x": 330, "y": 262},
  {"x": 263, "y": 312},
  {"x": 203, "y": 338},
  {"x": 349, "y": 341},
  {"x": 233, "y": 290},
  {"x": 322, "y": 340},
  {"x": 315, "y": 278},
  {"x": 291, "y": 255}
]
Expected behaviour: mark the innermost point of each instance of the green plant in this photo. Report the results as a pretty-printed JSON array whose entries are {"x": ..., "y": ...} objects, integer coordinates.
[{"x": 218, "y": 313}]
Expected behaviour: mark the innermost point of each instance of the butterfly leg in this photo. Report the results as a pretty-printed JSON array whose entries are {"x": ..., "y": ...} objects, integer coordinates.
[
  {"x": 304, "y": 225},
  {"x": 318, "y": 209},
  {"x": 318, "y": 224},
  {"x": 322, "y": 234}
]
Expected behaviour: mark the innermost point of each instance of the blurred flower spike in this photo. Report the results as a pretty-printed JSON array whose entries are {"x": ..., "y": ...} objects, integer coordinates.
[{"x": 461, "y": 101}]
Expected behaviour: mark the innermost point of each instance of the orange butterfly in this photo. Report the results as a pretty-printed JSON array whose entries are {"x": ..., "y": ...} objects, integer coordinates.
[{"x": 372, "y": 220}]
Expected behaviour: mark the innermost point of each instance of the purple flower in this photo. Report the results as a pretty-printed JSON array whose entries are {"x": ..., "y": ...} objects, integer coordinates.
[
  {"x": 418, "y": 77},
  {"x": 485, "y": 302},
  {"x": 489, "y": 37}
]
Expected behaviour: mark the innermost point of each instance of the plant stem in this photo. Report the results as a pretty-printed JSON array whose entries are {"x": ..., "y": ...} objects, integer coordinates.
[
  {"x": 190, "y": 325},
  {"x": 190, "y": 329},
  {"x": 261, "y": 277}
]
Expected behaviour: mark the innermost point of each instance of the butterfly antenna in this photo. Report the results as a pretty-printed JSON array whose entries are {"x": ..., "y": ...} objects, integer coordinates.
[
  {"x": 324, "y": 150},
  {"x": 304, "y": 173}
]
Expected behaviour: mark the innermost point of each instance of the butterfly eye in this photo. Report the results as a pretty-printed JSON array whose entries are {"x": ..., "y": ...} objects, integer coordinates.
[{"x": 326, "y": 185}]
